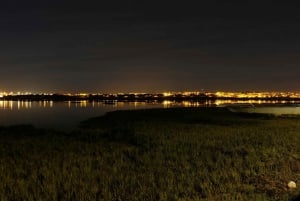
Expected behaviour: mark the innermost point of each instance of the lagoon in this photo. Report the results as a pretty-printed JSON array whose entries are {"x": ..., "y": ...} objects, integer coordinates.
[{"x": 68, "y": 114}]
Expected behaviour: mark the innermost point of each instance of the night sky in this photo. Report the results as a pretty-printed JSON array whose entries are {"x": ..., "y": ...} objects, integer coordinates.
[{"x": 149, "y": 46}]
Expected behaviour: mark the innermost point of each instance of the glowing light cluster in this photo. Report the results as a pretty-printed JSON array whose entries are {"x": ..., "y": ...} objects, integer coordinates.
[
  {"x": 168, "y": 95},
  {"x": 257, "y": 94}
]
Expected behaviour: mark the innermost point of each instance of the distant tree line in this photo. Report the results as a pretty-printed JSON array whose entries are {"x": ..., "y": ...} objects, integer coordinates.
[{"x": 133, "y": 97}]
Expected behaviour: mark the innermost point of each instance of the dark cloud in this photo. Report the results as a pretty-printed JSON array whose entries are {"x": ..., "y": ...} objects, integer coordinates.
[{"x": 148, "y": 45}]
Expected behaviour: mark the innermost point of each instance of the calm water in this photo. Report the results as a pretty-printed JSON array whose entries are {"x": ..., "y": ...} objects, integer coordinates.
[{"x": 67, "y": 115}]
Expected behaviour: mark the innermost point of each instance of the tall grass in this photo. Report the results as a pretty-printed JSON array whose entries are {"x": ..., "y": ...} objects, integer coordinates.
[{"x": 175, "y": 154}]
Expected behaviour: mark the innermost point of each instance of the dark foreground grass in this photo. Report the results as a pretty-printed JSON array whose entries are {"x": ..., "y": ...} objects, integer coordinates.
[{"x": 160, "y": 154}]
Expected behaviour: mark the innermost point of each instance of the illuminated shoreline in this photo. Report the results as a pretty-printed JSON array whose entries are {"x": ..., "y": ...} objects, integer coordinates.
[{"x": 171, "y": 96}]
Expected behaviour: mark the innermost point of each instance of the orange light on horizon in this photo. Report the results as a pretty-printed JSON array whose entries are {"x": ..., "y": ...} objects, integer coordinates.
[{"x": 166, "y": 94}]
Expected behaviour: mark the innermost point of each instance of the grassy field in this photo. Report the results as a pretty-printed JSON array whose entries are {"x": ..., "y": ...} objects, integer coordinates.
[{"x": 201, "y": 154}]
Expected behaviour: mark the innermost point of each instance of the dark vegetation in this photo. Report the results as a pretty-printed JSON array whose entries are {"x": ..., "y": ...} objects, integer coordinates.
[
  {"x": 159, "y": 154},
  {"x": 143, "y": 97}
]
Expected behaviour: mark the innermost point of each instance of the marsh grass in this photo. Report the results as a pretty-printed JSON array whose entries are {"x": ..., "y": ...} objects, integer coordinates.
[{"x": 160, "y": 154}]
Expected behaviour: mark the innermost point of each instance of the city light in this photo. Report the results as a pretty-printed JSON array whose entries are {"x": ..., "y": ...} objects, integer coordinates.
[{"x": 145, "y": 96}]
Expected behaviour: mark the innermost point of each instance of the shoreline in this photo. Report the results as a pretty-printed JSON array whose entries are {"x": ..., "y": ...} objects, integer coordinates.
[{"x": 154, "y": 154}]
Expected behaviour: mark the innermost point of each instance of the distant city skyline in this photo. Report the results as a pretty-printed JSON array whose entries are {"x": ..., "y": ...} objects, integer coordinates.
[
  {"x": 149, "y": 46},
  {"x": 228, "y": 94},
  {"x": 203, "y": 91}
]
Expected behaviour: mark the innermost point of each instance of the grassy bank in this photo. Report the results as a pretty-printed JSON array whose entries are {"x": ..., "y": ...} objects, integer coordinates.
[{"x": 159, "y": 154}]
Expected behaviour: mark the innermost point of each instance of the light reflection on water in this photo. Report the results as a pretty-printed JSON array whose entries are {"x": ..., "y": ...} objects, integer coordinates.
[{"x": 66, "y": 115}]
